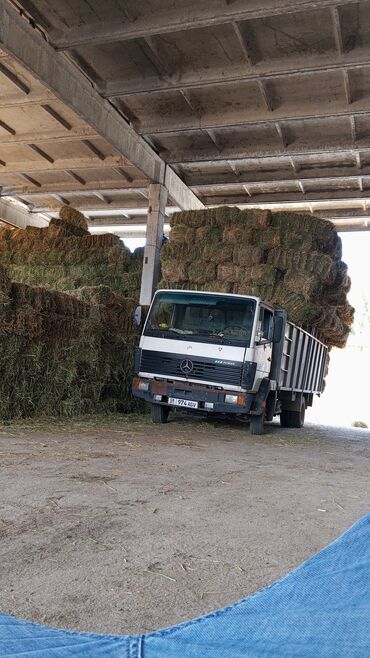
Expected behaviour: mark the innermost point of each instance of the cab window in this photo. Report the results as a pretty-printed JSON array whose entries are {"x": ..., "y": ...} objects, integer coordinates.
[{"x": 265, "y": 324}]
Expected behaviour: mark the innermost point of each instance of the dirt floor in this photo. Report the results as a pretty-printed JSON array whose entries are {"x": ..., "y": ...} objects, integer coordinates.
[{"x": 115, "y": 525}]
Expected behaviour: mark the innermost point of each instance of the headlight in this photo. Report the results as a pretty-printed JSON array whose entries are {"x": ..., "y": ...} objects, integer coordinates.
[
  {"x": 231, "y": 399},
  {"x": 143, "y": 386},
  {"x": 235, "y": 399}
]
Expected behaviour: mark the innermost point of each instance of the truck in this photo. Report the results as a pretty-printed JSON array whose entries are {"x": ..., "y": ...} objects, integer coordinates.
[{"x": 216, "y": 353}]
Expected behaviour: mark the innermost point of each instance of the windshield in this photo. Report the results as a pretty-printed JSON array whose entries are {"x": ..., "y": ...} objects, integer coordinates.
[{"x": 200, "y": 316}]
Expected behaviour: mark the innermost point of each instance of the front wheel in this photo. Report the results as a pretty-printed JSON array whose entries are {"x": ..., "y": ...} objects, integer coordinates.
[
  {"x": 294, "y": 418},
  {"x": 159, "y": 413},
  {"x": 257, "y": 424}
]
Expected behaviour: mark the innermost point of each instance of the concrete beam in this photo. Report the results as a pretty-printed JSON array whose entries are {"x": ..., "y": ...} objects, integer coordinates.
[
  {"x": 281, "y": 175},
  {"x": 62, "y": 164},
  {"x": 264, "y": 151},
  {"x": 19, "y": 217},
  {"x": 283, "y": 197},
  {"x": 154, "y": 238},
  {"x": 179, "y": 194},
  {"x": 35, "y": 189},
  {"x": 224, "y": 119},
  {"x": 61, "y": 77},
  {"x": 48, "y": 136},
  {"x": 178, "y": 18}
]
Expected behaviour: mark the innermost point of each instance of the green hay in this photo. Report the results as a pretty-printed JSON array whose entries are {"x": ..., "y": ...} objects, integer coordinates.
[
  {"x": 73, "y": 217},
  {"x": 66, "y": 355},
  {"x": 290, "y": 259},
  {"x": 247, "y": 255},
  {"x": 202, "y": 272},
  {"x": 177, "y": 271},
  {"x": 227, "y": 273}
]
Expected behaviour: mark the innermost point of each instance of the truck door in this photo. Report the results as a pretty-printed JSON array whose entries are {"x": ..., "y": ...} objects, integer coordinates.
[{"x": 263, "y": 343}]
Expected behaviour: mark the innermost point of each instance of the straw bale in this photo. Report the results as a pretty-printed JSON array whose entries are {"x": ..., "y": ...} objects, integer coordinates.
[
  {"x": 306, "y": 284},
  {"x": 302, "y": 261},
  {"x": 201, "y": 272},
  {"x": 60, "y": 228},
  {"x": 5, "y": 283},
  {"x": 265, "y": 237},
  {"x": 247, "y": 255},
  {"x": 262, "y": 274},
  {"x": 218, "y": 286},
  {"x": 176, "y": 271},
  {"x": 219, "y": 253},
  {"x": 73, "y": 217},
  {"x": 346, "y": 313},
  {"x": 182, "y": 234},
  {"x": 227, "y": 273},
  {"x": 237, "y": 234},
  {"x": 342, "y": 280}
]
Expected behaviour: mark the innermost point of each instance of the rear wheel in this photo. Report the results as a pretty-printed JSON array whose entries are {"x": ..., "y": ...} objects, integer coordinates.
[
  {"x": 257, "y": 424},
  {"x": 159, "y": 413},
  {"x": 294, "y": 418}
]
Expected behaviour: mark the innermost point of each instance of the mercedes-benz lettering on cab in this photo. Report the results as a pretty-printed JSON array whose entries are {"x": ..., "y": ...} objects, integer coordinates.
[{"x": 214, "y": 353}]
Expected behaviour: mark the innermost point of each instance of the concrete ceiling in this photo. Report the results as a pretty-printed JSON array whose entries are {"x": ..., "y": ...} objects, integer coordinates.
[{"x": 249, "y": 103}]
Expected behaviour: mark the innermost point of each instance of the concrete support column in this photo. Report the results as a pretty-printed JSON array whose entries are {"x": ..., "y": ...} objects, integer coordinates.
[{"x": 154, "y": 236}]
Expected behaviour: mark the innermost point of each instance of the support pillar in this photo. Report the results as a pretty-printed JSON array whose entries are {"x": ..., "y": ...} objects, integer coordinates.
[{"x": 154, "y": 237}]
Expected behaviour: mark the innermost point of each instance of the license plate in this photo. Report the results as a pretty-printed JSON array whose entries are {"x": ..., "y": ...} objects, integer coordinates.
[{"x": 177, "y": 402}]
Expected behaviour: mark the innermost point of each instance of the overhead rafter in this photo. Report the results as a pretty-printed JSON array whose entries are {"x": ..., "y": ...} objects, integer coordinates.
[
  {"x": 171, "y": 19},
  {"x": 61, "y": 77},
  {"x": 268, "y": 70},
  {"x": 73, "y": 189},
  {"x": 263, "y": 151},
  {"x": 281, "y": 197},
  {"x": 56, "y": 135},
  {"x": 61, "y": 164},
  {"x": 223, "y": 120},
  {"x": 262, "y": 180},
  {"x": 18, "y": 216}
]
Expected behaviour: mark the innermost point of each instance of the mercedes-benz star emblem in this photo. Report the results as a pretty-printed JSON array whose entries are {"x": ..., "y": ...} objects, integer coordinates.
[{"x": 186, "y": 366}]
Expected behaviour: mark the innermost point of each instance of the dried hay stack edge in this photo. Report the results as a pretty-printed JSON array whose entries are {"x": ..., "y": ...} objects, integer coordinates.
[
  {"x": 63, "y": 354},
  {"x": 290, "y": 259}
]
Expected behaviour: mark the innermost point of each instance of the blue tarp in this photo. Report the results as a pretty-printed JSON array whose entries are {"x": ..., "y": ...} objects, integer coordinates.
[{"x": 322, "y": 609}]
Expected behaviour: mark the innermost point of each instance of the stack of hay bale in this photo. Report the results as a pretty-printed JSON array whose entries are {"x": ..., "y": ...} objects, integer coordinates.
[
  {"x": 65, "y": 256},
  {"x": 290, "y": 259},
  {"x": 62, "y": 354},
  {"x": 66, "y": 354}
]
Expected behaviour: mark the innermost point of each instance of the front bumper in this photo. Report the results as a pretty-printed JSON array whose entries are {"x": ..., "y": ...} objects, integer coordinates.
[{"x": 196, "y": 393}]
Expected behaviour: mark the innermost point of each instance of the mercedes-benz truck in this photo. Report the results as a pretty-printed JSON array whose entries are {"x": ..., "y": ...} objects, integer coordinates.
[{"x": 220, "y": 353}]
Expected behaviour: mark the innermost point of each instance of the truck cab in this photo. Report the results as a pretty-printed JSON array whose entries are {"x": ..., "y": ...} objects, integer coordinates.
[{"x": 209, "y": 352}]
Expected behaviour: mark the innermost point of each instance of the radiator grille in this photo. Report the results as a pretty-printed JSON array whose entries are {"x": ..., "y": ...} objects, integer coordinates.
[{"x": 161, "y": 363}]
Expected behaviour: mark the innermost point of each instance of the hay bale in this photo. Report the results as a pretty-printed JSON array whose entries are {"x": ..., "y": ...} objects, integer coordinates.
[
  {"x": 246, "y": 256},
  {"x": 236, "y": 235},
  {"x": 177, "y": 271},
  {"x": 227, "y": 273},
  {"x": 265, "y": 238},
  {"x": 220, "y": 253},
  {"x": 5, "y": 282},
  {"x": 73, "y": 217},
  {"x": 201, "y": 272},
  {"x": 307, "y": 284},
  {"x": 182, "y": 234}
]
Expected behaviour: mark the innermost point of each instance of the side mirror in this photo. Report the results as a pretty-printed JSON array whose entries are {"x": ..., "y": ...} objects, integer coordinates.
[
  {"x": 138, "y": 317},
  {"x": 278, "y": 329}
]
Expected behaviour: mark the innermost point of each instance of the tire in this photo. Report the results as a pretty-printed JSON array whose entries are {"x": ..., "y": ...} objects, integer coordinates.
[
  {"x": 159, "y": 413},
  {"x": 294, "y": 418},
  {"x": 257, "y": 424}
]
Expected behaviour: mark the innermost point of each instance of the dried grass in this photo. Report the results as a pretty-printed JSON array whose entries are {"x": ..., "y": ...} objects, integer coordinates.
[{"x": 290, "y": 259}]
